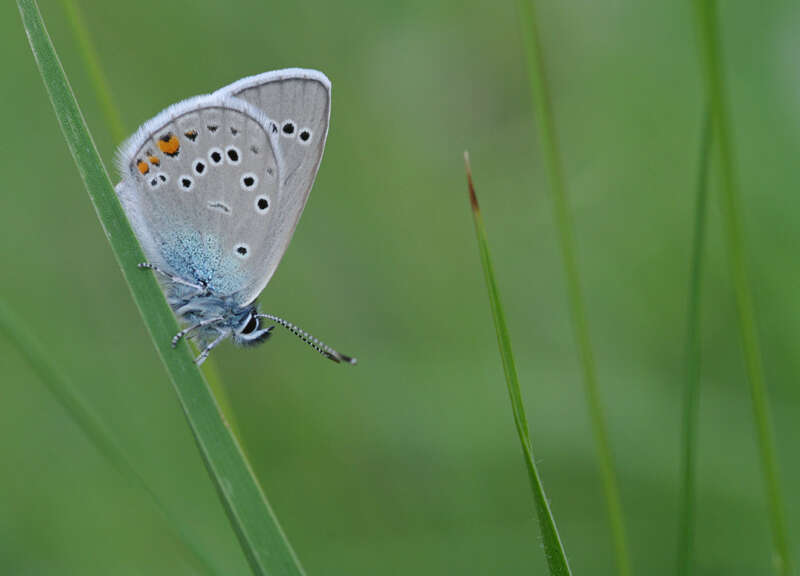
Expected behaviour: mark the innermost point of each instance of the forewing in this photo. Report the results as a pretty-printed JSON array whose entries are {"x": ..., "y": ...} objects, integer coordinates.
[
  {"x": 200, "y": 185},
  {"x": 299, "y": 102}
]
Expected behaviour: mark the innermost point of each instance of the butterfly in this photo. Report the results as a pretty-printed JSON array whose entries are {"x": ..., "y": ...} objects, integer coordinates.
[{"x": 214, "y": 187}]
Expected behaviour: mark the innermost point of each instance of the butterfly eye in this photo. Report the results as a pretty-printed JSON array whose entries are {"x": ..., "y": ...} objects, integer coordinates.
[{"x": 251, "y": 326}]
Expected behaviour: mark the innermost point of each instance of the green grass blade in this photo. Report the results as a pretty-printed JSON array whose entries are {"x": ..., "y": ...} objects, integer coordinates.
[
  {"x": 95, "y": 70},
  {"x": 92, "y": 426},
  {"x": 211, "y": 374},
  {"x": 118, "y": 132},
  {"x": 691, "y": 394},
  {"x": 551, "y": 541},
  {"x": 708, "y": 27},
  {"x": 563, "y": 217},
  {"x": 264, "y": 543}
]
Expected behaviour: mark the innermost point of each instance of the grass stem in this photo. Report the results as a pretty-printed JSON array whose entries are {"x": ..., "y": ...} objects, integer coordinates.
[
  {"x": 92, "y": 427},
  {"x": 96, "y": 75},
  {"x": 691, "y": 393},
  {"x": 564, "y": 225},
  {"x": 116, "y": 127},
  {"x": 553, "y": 548},
  {"x": 262, "y": 540},
  {"x": 711, "y": 55}
]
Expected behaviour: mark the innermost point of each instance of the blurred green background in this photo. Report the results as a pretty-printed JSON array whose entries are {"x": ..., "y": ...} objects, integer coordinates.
[{"x": 409, "y": 462}]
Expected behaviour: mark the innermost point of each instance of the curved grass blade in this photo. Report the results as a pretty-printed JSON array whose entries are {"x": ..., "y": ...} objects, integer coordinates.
[
  {"x": 711, "y": 55},
  {"x": 580, "y": 327},
  {"x": 691, "y": 393},
  {"x": 261, "y": 537},
  {"x": 92, "y": 426},
  {"x": 553, "y": 548},
  {"x": 118, "y": 132}
]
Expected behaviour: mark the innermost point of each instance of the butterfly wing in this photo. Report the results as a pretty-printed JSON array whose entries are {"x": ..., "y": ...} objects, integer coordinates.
[
  {"x": 299, "y": 102},
  {"x": 200, "y": 185}
]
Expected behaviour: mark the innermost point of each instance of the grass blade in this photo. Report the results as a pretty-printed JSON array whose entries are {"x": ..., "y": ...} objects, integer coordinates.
[
  {"x": 96, "y": 75},
  {"x": 91, "y": 425},
  {"x": 691, "y": 394},
  {"x": 553, "y": 548},
  {"x": 263, "y": 542},
  {"x": 708, "y": 27},
  {"x": 118, "y": 132},
  {"x": 552, "y": 161}
]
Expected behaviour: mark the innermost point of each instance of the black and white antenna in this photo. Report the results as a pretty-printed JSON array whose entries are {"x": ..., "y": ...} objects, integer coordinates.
[{"x": 315, "y": 343}]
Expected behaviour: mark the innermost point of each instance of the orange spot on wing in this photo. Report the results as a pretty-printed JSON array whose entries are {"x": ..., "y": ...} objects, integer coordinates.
[
  {"x": 190, "y": 134},
  {"x": 143, "y": 167},
  {"x": 169, "y": 144},
  {"x": 154, "y": 160}
]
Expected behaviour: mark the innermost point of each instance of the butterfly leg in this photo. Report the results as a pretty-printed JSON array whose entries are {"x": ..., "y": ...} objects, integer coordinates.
[
  {"x": 185, "y": 331},
  {"x": 207, "y": 350},
  {"x": 172, "y": 278}
]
